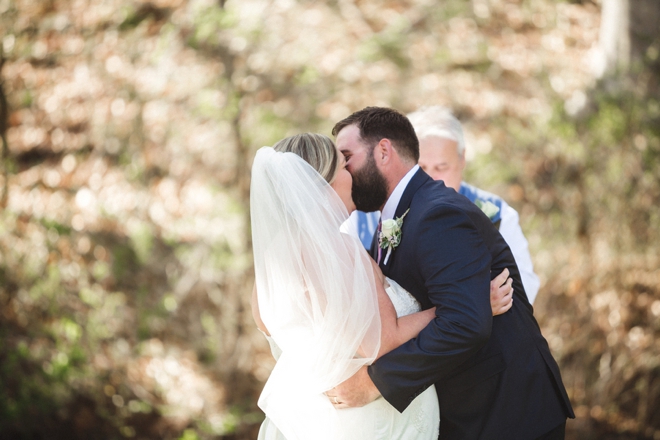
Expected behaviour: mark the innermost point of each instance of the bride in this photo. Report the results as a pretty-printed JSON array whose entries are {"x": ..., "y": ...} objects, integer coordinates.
[{"x": 323, "y": 303}]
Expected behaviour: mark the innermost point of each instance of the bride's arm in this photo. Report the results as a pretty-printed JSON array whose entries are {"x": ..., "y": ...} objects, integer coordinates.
[
  {"x": 501, "y": 293},
  {"x": 255, "y": 312},
  {"x": 395, "y": 331}
]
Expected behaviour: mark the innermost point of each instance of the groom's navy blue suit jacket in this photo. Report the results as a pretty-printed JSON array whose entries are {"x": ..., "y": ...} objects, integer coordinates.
[{"x": 495, "y": 376}]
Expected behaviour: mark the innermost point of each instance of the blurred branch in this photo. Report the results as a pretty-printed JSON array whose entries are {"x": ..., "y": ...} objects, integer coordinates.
[
  {"x": 4, "y": 123},
  {"x": 242, "y": 179}
]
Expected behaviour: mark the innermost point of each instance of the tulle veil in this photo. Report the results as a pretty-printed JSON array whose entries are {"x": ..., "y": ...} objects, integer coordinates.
[{"x": 316, "y": 293}]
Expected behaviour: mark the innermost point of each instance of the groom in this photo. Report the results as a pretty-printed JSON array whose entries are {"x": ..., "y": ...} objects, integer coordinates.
[{"x": 495, "y": 376}]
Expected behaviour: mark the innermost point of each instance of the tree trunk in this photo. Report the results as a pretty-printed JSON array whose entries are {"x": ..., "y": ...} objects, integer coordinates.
[
  {"x": 614, "y": 40},
  {"x": 629, "y": 39}
]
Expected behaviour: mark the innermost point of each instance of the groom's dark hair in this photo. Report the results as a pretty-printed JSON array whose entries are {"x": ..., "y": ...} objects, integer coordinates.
[{"x": 376, "y": 123}]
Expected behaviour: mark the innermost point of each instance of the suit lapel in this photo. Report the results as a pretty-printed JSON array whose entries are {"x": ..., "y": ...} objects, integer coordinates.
[{"x": 418, "y": 179}]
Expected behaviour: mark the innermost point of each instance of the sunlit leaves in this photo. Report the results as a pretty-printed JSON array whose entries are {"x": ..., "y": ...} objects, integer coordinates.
[
  {"x": 389, "y": 44},
  {"x": 142, "y": 240},
  {"x": 209, "y": 22}
]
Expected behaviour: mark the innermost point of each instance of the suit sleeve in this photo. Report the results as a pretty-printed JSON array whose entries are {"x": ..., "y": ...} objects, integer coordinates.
[{"x": 454, "y": 263}]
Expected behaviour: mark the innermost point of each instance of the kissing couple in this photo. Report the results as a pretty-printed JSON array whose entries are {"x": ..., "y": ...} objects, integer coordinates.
[{"x": 402, "y": 344}]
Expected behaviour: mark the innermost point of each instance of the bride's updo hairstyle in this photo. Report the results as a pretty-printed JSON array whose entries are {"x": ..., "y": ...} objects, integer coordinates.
[{"x": 316, "y": 149}]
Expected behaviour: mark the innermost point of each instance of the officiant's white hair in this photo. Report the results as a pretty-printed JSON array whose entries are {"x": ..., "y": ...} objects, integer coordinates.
[
  {"x": 316, "y": 149},
  {"x": 438, "y": 121}
]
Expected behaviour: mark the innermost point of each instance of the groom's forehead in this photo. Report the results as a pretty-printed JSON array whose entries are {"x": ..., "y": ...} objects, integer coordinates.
[
  {"x": 349, "y": 140},
  {"x": 349, "y": 133}
]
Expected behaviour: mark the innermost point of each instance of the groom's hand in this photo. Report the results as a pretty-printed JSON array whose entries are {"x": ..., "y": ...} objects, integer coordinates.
[{"x": 355, "y": 391}]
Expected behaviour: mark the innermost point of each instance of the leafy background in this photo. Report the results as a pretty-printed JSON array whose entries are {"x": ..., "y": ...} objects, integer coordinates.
[{"x": 128, "y": 129}]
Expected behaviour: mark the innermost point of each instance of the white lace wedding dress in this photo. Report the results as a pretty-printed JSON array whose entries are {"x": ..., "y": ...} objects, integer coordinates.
[{"x": 379, "y": 420}]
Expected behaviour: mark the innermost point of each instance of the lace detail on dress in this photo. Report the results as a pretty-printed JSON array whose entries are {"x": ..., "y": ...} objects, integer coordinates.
[
  {"x": 404, "y": 303},
  {"x": 420, "y": 420}
]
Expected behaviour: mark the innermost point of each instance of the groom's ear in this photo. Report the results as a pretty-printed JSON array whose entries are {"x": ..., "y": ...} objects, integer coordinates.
[{"x": 384, "y": 152}]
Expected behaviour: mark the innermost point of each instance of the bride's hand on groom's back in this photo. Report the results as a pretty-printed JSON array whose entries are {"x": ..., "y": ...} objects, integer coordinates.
[{"x": 501, "y": 293}]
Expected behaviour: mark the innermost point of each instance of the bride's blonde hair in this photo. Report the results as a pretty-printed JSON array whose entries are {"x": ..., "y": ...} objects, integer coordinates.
[{"x": 316, "y": 149}]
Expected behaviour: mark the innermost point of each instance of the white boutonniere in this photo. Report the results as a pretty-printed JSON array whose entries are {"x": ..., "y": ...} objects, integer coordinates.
[
  {"x": 488, "y": 208},
  {"x": 390, "y": 234}
]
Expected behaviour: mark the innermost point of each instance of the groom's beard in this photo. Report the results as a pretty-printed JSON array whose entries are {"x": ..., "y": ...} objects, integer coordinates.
[{"x": 369, "y": 189}]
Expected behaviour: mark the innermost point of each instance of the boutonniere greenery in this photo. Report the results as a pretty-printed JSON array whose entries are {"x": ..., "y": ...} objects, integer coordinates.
[
  {"x": 390, "y": 234},
  {"x": 488, "y": 208}
]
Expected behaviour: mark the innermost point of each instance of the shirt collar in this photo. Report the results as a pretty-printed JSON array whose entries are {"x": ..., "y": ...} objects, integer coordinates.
[{"x": 390, "y": 206}]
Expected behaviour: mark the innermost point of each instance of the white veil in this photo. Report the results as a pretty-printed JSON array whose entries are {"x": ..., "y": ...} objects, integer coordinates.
[{"x": 316, "y": 293}]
